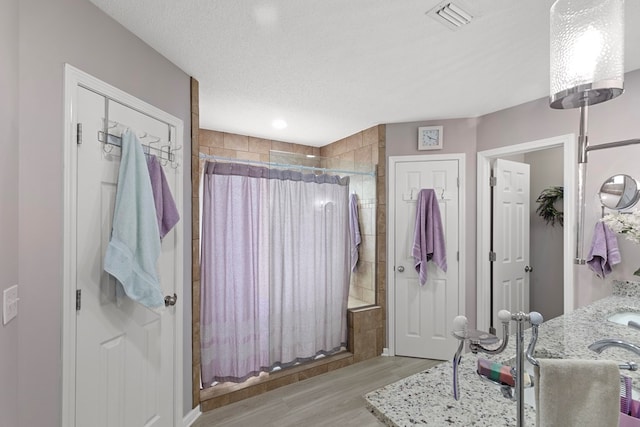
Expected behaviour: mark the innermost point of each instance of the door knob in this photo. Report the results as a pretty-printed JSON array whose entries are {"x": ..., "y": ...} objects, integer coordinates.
[
  {"x": 528, "y": 269},
  {"x": 400, "y": 269},
  {"x": 170, "y": 300}
]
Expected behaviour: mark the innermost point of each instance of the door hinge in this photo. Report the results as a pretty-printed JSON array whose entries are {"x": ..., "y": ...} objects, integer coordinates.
[
  {"x": 492, "y": 256},
  {"x": 458, "y": 256},
  {"x": 78, "y": 299},
  {"x": 458, "y": 182},
  {"x": 493, "y": 181},
  {"x": 79, "y": 133}
]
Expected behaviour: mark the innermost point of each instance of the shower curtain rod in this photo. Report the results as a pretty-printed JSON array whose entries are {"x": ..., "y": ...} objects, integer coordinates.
[{"x": 284, "y": 165}]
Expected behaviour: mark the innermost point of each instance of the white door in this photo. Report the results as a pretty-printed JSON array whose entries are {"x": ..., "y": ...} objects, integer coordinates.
[
  {"x": 423, "y": 314},
  {"x": 510, "y": 238},
  {"x": 124, "y": 352}
]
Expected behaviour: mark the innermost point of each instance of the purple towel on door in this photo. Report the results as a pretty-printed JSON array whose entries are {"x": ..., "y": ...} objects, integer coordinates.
[
  {"x": 428, "y": 236},
  {"x": 354, "y": 230},
  {"x": 604, "y": 252},
  {"x": 166, "y": 210}
]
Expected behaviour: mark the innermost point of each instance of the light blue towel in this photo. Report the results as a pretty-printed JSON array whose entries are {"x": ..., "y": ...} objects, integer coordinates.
[{"x": 134, "y": 247}]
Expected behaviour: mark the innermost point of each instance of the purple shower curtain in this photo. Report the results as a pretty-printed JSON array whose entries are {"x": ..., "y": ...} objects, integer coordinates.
[
  {"x": 309, "y": 269},
  {"x": 234, "y": 289},
  {"x": 274, "y": 269}
]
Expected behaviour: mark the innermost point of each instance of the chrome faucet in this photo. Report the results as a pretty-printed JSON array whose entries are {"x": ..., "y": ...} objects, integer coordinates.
[
  {"x": 633, "y": 324},
  {"x": 600, "y": 345}
]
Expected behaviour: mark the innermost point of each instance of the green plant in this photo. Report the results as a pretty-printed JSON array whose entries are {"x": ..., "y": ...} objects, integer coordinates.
[{"x": 546, "y": 209}]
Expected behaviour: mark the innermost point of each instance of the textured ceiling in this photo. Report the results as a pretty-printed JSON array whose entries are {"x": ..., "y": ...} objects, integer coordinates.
[{"x": 331, "y": 68}]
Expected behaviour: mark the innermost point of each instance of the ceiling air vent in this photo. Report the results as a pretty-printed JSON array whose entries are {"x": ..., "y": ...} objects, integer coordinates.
[{"x": 451, "y": 15}]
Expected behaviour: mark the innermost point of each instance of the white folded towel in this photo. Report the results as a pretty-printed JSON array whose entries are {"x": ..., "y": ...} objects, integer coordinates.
[{"x": 584, "y": 393}]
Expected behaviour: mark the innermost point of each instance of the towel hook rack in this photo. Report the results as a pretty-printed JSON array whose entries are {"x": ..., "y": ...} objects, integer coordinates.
[{"x": 165, "y": 153}]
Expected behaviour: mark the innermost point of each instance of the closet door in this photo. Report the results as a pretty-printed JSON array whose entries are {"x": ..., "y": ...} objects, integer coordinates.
[
  {"x": 423, "y": 313},
  {"x": 511, "y": 268},
  {"x": 124, "y": 351}
]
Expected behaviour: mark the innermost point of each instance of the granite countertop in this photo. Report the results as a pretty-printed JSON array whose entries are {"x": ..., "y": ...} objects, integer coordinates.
[{"x": 426, "y": 398}]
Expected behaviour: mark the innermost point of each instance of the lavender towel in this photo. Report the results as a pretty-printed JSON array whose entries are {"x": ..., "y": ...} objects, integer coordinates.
[
  {"x": 166, "y": 210},
  {"x": 604, "y": 252},
  {"x": 428, "y": 236},
  {"x": 354, "y": 230}
]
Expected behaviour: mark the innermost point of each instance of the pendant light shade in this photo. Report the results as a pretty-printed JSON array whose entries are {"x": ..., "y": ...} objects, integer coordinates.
[{"x": 587, "y": 52}]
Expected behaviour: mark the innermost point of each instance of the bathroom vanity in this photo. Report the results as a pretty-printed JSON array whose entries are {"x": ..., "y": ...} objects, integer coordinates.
[{"x": 426, "y": 398}]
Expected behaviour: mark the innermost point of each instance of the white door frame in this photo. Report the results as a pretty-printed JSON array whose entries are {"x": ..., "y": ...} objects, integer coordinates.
[
  {"x": 391, "y": 236},
  {"x": 73, "y": 78},
  {"x": 483, "y": 234}
]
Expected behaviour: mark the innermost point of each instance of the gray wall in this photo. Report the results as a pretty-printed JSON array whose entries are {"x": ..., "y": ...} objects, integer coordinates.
[
  {"x": 459, "y": 137},
  {"x": 546, "y": 279},
  {"x": 53, "y": 32},
  {"x": 9, "y": 205},
  {"x": 609, "y": 121}
]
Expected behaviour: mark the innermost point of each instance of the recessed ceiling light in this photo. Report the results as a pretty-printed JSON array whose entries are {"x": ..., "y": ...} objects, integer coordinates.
[
  {"x": 279, "y": 124},
  {"x": 311, "y": 156},
  {"x": 266, "y": 15}
]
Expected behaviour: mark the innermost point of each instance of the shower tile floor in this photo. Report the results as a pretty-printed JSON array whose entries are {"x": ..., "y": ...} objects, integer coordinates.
[{"x": 332, "y": 399}]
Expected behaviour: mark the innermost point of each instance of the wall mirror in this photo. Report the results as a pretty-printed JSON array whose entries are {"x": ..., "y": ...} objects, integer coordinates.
[{"x": 619, "y": 192}]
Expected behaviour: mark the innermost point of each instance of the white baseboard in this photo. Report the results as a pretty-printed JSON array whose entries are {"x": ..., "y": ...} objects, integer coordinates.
[
  {"x": 385, "y": 352},
  {"x": 191, "y": 417}
]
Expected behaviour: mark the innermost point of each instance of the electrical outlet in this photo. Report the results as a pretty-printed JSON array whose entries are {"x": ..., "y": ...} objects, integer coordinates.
[{"x": 9, "y": 304}]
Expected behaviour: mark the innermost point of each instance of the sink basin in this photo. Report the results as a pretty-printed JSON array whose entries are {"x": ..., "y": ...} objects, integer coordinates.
[{"x": 624, "y": 317}]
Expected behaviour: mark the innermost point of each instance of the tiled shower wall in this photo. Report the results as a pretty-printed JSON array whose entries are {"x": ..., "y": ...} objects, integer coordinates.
[
  {"x": 367, "y": 147},
  {"x": 246, "y": 147},
  {"x": 195, "y": 243}
]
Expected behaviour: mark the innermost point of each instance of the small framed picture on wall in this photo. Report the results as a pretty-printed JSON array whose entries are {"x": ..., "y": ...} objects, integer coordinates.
[{"x": 430, "y": 138}]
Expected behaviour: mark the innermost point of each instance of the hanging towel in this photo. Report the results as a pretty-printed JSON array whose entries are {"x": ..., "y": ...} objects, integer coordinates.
[
  {"x": 134, "y": 247},
  {"x": 354, "y": 230},
  {"x": 166, "y": 210},
  {"x": 583, "y": 393},
  {"x": 428, "y": 237},
  {"x": 604, "y": 253}
]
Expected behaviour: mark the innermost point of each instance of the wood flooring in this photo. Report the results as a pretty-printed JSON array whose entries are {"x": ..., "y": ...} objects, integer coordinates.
[{"x": 331, "y": 399}]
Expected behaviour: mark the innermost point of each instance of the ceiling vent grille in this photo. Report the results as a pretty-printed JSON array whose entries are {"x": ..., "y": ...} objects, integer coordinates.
[{"x": 451, "y": 15}]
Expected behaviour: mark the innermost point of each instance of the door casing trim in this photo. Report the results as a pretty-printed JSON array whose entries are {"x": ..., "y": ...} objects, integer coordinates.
[
  {"x": 73, "y": 78},
  {"x": 391, "y": 286},
  {"x": 483, "y": 227}
]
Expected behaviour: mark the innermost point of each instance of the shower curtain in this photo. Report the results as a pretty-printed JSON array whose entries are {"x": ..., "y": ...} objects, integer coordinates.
[{"x": 274, "y": 269}]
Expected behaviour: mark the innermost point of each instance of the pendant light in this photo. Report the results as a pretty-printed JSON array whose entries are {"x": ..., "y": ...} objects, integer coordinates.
[{"x": 586, "y": 68}]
